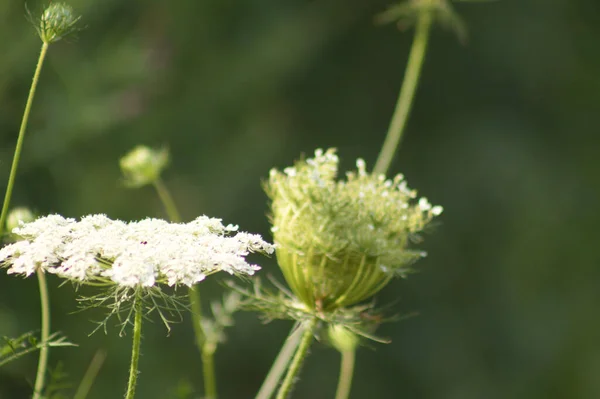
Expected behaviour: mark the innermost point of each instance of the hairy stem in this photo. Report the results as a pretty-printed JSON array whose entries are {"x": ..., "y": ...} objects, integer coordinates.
[
  {"x": 135, "y": 348},
  {"x": 299, "y": 357},
  {"x": 280, "y": 364},
  {"x": 17, "y": 154},
  {"x": 40, "y": 377},
  {"x": 407, "y": 93},
  {"x": 346, "y": 372},
  {"x": 167, "y": 200}
]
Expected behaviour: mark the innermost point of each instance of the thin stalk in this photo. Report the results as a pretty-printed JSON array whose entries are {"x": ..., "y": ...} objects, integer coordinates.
[
  {"x": 40, "y": 377},
  {"x": 90, "y": 375},
  {"x": 207, "y": 349},
  {"x": 299, "y": 357},
  {"x": 17, "y": 154},
  {"x": 167, "y": 200},
  {"x": 407, "y": 93},
  {"x": 135, "y": 348},
  {"x": 280, "y": 364},
  {"x": 346, "y": 372}
]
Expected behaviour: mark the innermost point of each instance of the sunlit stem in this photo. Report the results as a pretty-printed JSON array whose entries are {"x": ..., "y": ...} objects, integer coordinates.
[
  {"x": 280, "y": 364},
  {"x": 346, "y": 372},
  {"x": 135, "y": 348},
  {"x": 407, "y": 93},
  {"x": 40, "y": 377},
  {"x": 294, "y": 370}
]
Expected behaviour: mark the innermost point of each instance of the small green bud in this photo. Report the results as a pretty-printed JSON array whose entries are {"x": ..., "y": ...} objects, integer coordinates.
[
  {"x": 57, "y": 21},
  {"x": 341, "y": 338},
  {"x": 143, "y": 165},
  {"x": 340, "y": 242},
  {"x": 17, "y": 216}
]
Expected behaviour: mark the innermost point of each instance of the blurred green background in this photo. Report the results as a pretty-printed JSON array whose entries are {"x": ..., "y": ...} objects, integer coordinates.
[{"x": 504, "y": 135}]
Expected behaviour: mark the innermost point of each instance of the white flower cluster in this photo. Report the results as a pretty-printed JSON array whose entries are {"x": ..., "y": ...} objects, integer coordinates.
[{"x": 145, "y": 253}]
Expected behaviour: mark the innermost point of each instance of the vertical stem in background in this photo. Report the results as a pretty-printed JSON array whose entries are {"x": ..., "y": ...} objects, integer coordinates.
[
  {"x": 346, "y": 372},
  {"x": 280, "y": 365},
  {"x": 167, "y": 200},
  {"x": 407, "y": 93},
  {"x": 90, "y": 375},
  {"x": 299, "y": 357},
  {"x": 40, "y": 377},
  {"x": 17, "y": 155},
  {"x": 135, "y": 348},
  {"x": 207, "y": 350}
]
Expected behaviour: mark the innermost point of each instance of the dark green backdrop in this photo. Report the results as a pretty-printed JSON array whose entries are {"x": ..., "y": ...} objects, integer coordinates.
[{"x": 504, "y": 135}]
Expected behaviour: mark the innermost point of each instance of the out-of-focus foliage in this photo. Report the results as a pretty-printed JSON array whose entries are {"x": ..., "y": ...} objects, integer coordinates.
[{"x": 503, "y": 135}]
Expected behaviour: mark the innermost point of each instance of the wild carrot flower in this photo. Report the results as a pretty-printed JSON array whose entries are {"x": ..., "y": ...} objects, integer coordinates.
[
  {"x": 97, "y": 249},
  {"x": 130, "y": 257},
  {"x": 338, "y": 242}
]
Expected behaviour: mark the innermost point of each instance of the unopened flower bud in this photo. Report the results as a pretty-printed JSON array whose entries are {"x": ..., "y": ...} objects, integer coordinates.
[
  {"x": 57, "y": 21},
  {"x": 143, "y": 165},
  {"x": 17, "y": 216}
]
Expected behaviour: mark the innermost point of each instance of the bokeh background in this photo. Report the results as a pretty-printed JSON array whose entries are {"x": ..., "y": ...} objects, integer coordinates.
[{"x": 504, "y": 135}]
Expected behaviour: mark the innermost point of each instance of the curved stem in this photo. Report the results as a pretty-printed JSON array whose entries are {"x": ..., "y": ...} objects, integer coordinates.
[
  {"x": 346, "y": 371},
  {"x": 167, "y": 200},
  {"x": 299, "y": 357},
  {"x": 280, "y": 364},
  {"x": 135, "y": 348},
  {"x": 17, "y": 155},
  {"x": 407, "y": 93},
  {"x": 40, "y": 377}
]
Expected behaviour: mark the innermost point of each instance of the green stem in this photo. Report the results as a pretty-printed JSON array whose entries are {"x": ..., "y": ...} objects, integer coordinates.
[
  {"x": 407, "y": 93},
  {"x": 280, "y": 364},
  {"x": 90, "y": 375},
  {"x": 17, "y": 154},
  {"x": 208, "y": 369},
  {"x": 135, "y": 348},
  {"x": 207, "y": 349},
  {"x": 40, "y": 377},
  {"x": 299, "y": 357},
  {"x": 167, "y": 200},
  {"x": 346, "y": 371}
]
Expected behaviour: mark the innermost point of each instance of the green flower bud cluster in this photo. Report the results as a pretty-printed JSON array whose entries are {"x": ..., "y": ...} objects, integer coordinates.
[
  {"x": 143, "y": 165},
  {"x": 338, "y": 242},
  {"x": 57, "y": 21}
]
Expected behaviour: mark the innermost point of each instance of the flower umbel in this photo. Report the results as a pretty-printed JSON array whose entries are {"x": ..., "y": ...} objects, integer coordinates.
[
  {"x": 338, "y": 242},
  {"x": 143, "y": 165},
  {"x": 136, "y": 254}
]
